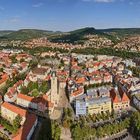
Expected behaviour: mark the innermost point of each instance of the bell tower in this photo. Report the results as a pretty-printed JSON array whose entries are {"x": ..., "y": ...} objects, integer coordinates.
[{"x": 54, "y": 88}]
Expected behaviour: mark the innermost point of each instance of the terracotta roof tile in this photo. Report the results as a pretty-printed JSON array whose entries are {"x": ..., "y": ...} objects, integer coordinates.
[
  {"x": 15, "y": 109},
  {"x": 25, "y": 129}
]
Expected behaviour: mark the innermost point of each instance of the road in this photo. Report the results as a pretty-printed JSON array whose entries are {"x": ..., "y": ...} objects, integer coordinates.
[{"x": 129, "y": 137}]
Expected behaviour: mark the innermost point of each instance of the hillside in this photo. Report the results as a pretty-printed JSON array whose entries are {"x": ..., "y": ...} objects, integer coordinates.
[
  {"x": 121, "y": 32},
  {"x": 26, "y": 34},
  {"x": 78, "y": 36},
  {"x": 5, "y": 32}
]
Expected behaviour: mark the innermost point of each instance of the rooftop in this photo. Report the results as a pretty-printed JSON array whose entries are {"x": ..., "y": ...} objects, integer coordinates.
[
  {"x": 40, "y": 71},
  {"x": 25, "y": 129},
  {"x": 92, "y": 92},
  {"x": 15, "y": 109},
  {"x": 99, "y": 100}
]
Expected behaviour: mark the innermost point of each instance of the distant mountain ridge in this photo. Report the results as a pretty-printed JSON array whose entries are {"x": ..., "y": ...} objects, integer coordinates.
[
  {"x": 26, "y": 34},
  {"x": 5, "y": 32},
  {"x": 78, "y": 35},
  {"x": 122, "y": 32},
  {"x": 69, "y": 37}
]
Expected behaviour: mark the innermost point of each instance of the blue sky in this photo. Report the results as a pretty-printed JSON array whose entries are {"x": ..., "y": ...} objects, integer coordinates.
[{"x": 66, "y": 15}]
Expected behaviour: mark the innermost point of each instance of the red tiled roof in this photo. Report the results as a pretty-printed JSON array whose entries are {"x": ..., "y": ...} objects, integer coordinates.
[
  {"x": 78, "y": 92},
  {"x": 4, "y": 78},
  {"x": 114, "y": 96},
  {"x": 15, "y": 109},
  {"x": 25, "y": 129},
  {"x": 96, "y": 64},
  {"x": 125, "y": 98},
  {"x": 49, "y": 103},
  {"x": 25, "y": 97},
  {"x": 9, "y": 94},
  {"x": 123, "y": 95},
  {"x": 31, "y": 99},
  {"x": 80, "y": 80}
]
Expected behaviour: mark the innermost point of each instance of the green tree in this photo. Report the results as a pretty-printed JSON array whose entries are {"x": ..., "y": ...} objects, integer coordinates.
[
  {"x": 135, "y": 124},
  {"x": 24, "y": 90},
  {"x": 22, "y": 60},
  {"x": 17, "y": 122},
  {"x": 76, "y": 132},
  {"x": 100, "y": 132},
  {"x": 44, "y": 87},
  {"x": 13, "y": 58},
  {"x": 56, "y": 131},
  {"x": 35, "y": 93}
]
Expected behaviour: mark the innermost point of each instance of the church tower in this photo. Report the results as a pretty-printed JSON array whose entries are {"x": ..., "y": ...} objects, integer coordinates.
[{"x": 54, "y": 88}]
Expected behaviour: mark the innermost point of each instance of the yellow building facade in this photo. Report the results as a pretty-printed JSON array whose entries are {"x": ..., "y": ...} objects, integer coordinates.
[{"x": 100, "y": 105}]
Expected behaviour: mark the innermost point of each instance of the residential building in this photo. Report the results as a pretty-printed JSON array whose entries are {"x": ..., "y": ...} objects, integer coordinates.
[
  {"x": 136, "y": 100},
  {"x": 120, "y": 100},
  {"x": 28, "y": 123},
  {"x": 41, "y": 104},
  {"x": 99, "y": 105},
  {"x": 80, "y": 107},
  {"x": 3, "y": 78},
  {"x": 27, "y": 129},
  {"x": 9, "y": 112},
  {"x": 76, "y": 93},
  {"x": 39, "y": 73}
]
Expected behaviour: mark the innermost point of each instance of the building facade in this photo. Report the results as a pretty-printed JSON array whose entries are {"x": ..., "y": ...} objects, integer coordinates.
[{"x": 99, "y": 105}]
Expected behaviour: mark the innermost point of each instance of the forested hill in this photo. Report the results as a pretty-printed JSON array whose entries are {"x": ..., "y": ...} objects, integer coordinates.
[{"x": 69, "y": 37}]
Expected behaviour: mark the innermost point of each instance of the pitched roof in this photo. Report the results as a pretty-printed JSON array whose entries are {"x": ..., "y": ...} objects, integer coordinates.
[
  {"x": 15, "y": 109},
  {"x": 118, "y": 97},
  {"x": 31, "y": 99},
  {"x": 80, "y": 80},
  {"x": 25, "y": 97},
  {"x": 40, "y": 71},
  {"x": 25, "y": 129},
  {"x": 125, "y": 97},
  {"x": 78, "y": 92},
  {"x": 114, "y": 96}
]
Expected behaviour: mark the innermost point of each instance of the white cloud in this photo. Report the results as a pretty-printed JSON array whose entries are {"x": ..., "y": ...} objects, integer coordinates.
[
  {"x": 100, "y": 1},
  {"x": 15, "y": 19},
  {"x": 37, "y": 5},
  {"x": 106, "y": 1}
]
